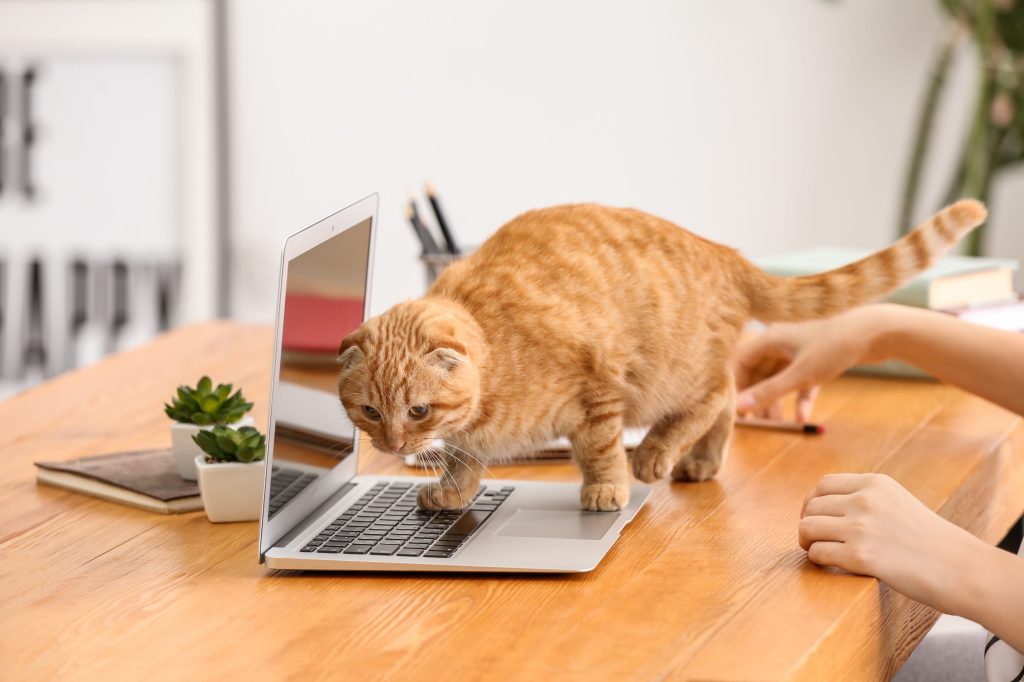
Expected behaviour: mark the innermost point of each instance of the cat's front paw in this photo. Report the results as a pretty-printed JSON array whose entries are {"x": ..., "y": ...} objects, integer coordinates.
[
  {"x": 604, "y": 497},
  {"x": 436, "y": 497}
]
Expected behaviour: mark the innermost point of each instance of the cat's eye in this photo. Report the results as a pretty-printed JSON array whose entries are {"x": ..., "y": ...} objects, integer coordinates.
[
  {"x": 371, "y": 412},
  {"x": 419, "y": 411}
]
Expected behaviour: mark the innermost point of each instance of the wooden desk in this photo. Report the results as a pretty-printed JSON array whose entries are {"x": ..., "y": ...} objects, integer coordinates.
[{"x": 707, "y": 584}]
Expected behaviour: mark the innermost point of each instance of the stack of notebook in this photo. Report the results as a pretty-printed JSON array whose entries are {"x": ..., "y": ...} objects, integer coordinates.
[
  {"x": 146, "y": 479},
  {"x": 978, "y": 290}
]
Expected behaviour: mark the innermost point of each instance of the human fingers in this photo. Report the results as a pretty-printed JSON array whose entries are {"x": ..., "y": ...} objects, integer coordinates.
[
  {"x": 827, "y": 505},
  {"x": 816, "y": 528},
  {"x": 762, "y": 395},
  {"x": 805, "y": 403},
  {"x": 825, "y": 553},
  {"x": 835, "y": 484}
]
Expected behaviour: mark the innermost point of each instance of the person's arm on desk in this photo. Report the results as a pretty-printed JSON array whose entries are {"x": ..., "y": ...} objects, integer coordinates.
[
  {"x": 871, "y": 525},
  {"x": 868, "y": 523},
  {"x": 798, "y": 357}
]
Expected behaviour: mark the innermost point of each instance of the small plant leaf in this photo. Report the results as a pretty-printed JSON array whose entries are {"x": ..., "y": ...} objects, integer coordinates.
[
  {"x": 225, "y": 444},
  {"x": 206, "y": 442},
  {"x": 204, "y": 405}
]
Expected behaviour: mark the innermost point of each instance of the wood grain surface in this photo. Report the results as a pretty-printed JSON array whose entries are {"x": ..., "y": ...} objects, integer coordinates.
[{"x": 707, "y": 583}]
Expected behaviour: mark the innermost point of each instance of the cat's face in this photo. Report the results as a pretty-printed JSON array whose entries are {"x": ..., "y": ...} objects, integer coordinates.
[{"x": 406, "y": 381}]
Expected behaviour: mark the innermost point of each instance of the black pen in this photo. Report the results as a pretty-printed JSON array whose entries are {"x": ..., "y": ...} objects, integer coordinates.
[
  {"x": 781, "y": 425},
  {"x": 422, "y": 233},
  {"x": 441, "y": 222}
]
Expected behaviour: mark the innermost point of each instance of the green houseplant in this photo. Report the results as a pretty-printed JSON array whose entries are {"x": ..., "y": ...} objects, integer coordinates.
[
  {"x": 995, "y": 137},
  {"x": 225, "y": 444},
  {"x": 199, "y": 408},
  {"x": 230, "y": 472},
  {"x": 205, "y": 405}
]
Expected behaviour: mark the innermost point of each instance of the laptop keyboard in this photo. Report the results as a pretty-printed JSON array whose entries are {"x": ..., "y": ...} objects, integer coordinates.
[
  {"x": 386, "y": 522},
  {"x": 285, "y": 484}
]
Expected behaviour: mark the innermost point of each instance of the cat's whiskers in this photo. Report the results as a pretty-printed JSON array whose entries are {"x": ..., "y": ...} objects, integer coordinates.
[
  {"x": 430, "y": 463},
  {"x": 428, "y": 459},
  {"x": 484, "y": 467},
  {"x": 500, "y": 458},
  {"x": 448, "y": 473}
]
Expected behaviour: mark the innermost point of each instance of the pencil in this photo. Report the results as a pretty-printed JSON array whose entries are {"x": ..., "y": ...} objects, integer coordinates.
[
  {"x": 780, "y": 425},
  {"x": 422, "y": 233},
  {"x": 441, "y": 222}
]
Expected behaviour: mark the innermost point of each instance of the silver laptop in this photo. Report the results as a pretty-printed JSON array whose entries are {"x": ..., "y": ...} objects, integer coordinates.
[{"x": 318, "y": 514}]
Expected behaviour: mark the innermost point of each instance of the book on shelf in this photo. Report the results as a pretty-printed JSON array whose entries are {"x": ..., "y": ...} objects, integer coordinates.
[
  {"x": 146, "y": 479},
  {"x": 1008, "y": 316},
  {"x": 953, "y": 282}
]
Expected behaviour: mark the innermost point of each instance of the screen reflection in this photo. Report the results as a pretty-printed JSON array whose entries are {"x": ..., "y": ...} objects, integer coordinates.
[{"x": 325, "y": 290}]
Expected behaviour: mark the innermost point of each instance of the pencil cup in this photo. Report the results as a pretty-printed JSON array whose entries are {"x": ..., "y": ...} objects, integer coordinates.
[{"x": 435, "y": 263}]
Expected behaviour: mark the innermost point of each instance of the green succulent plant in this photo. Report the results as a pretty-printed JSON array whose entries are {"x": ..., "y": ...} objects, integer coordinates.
[
  {"x": 225, "y": 444},
  {"x": 205, "y": 405}
]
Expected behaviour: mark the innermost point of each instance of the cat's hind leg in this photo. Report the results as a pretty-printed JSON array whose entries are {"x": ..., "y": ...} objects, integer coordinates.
[
  {"x": 598, "y": 450},
  {"x": 707, "y": 455},
  {"x": 678, "y": 433}
]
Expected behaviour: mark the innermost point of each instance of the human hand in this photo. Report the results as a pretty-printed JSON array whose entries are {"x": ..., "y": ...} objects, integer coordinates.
[
  {"x": 798, "y": 357},
  {"x": 871, "y": 525}
]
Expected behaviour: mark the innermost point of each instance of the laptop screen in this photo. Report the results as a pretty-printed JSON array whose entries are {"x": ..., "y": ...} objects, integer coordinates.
[{"x": 323, "y": 299}]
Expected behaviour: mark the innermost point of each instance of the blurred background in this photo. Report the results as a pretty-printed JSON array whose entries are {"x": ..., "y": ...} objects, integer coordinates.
[{"x": 154, "y": 154}]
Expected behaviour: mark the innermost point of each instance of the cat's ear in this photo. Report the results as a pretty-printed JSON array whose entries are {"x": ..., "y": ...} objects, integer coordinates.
[
  {"x": 349, "y": 353},
  {"x": 447, "y": 358}
]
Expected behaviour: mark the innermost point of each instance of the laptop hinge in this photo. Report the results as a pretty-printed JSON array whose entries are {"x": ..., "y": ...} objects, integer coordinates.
[{"x": 301, "y": 525}]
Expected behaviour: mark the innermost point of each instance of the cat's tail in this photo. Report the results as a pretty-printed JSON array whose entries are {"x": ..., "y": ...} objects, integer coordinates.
[{"x": 778, "y": 299}]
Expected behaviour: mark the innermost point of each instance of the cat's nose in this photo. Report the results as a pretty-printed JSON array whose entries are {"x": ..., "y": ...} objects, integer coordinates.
[{"x": 395, "y": 442}]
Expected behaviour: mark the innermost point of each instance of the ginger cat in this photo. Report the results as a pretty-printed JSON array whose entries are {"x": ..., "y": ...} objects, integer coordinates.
[{"x": 579, "y": 320}]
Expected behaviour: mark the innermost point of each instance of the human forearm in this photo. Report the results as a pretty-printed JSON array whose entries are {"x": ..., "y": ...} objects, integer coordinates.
[
  {"x": 991, "y": 591},
  {"x": 871, "y": 525},
  {"x": 983, "y": 361}
]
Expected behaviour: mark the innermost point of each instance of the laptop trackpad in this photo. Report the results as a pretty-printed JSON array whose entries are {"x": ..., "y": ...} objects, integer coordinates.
[{"x": 536, "y": 523}]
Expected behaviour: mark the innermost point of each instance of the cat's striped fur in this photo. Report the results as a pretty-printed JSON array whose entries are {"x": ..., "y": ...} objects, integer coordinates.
[{"x": 578, "y": 320}]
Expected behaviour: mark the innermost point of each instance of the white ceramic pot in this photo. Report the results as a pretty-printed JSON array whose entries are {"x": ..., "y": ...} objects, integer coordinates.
[
  {"x": 231, "y": 491},
  {"x": 185, "y": 449}
]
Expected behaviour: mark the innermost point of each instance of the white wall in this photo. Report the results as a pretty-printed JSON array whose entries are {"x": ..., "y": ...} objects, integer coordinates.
[{"x": 768, "y": 125}]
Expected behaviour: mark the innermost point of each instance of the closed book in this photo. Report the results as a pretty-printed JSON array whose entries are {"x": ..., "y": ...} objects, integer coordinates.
[
  {"x": 146, "y": 479},
  {"x": 896, "y": 369},
  {"x": 953, "y": 282},
  {"x": 1007, "y": 316}
]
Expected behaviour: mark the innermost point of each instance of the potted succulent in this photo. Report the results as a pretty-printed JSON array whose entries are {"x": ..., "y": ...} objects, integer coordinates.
[
  {"x": 231, "y": 472},
  {"x": 202, "y": 408}
]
